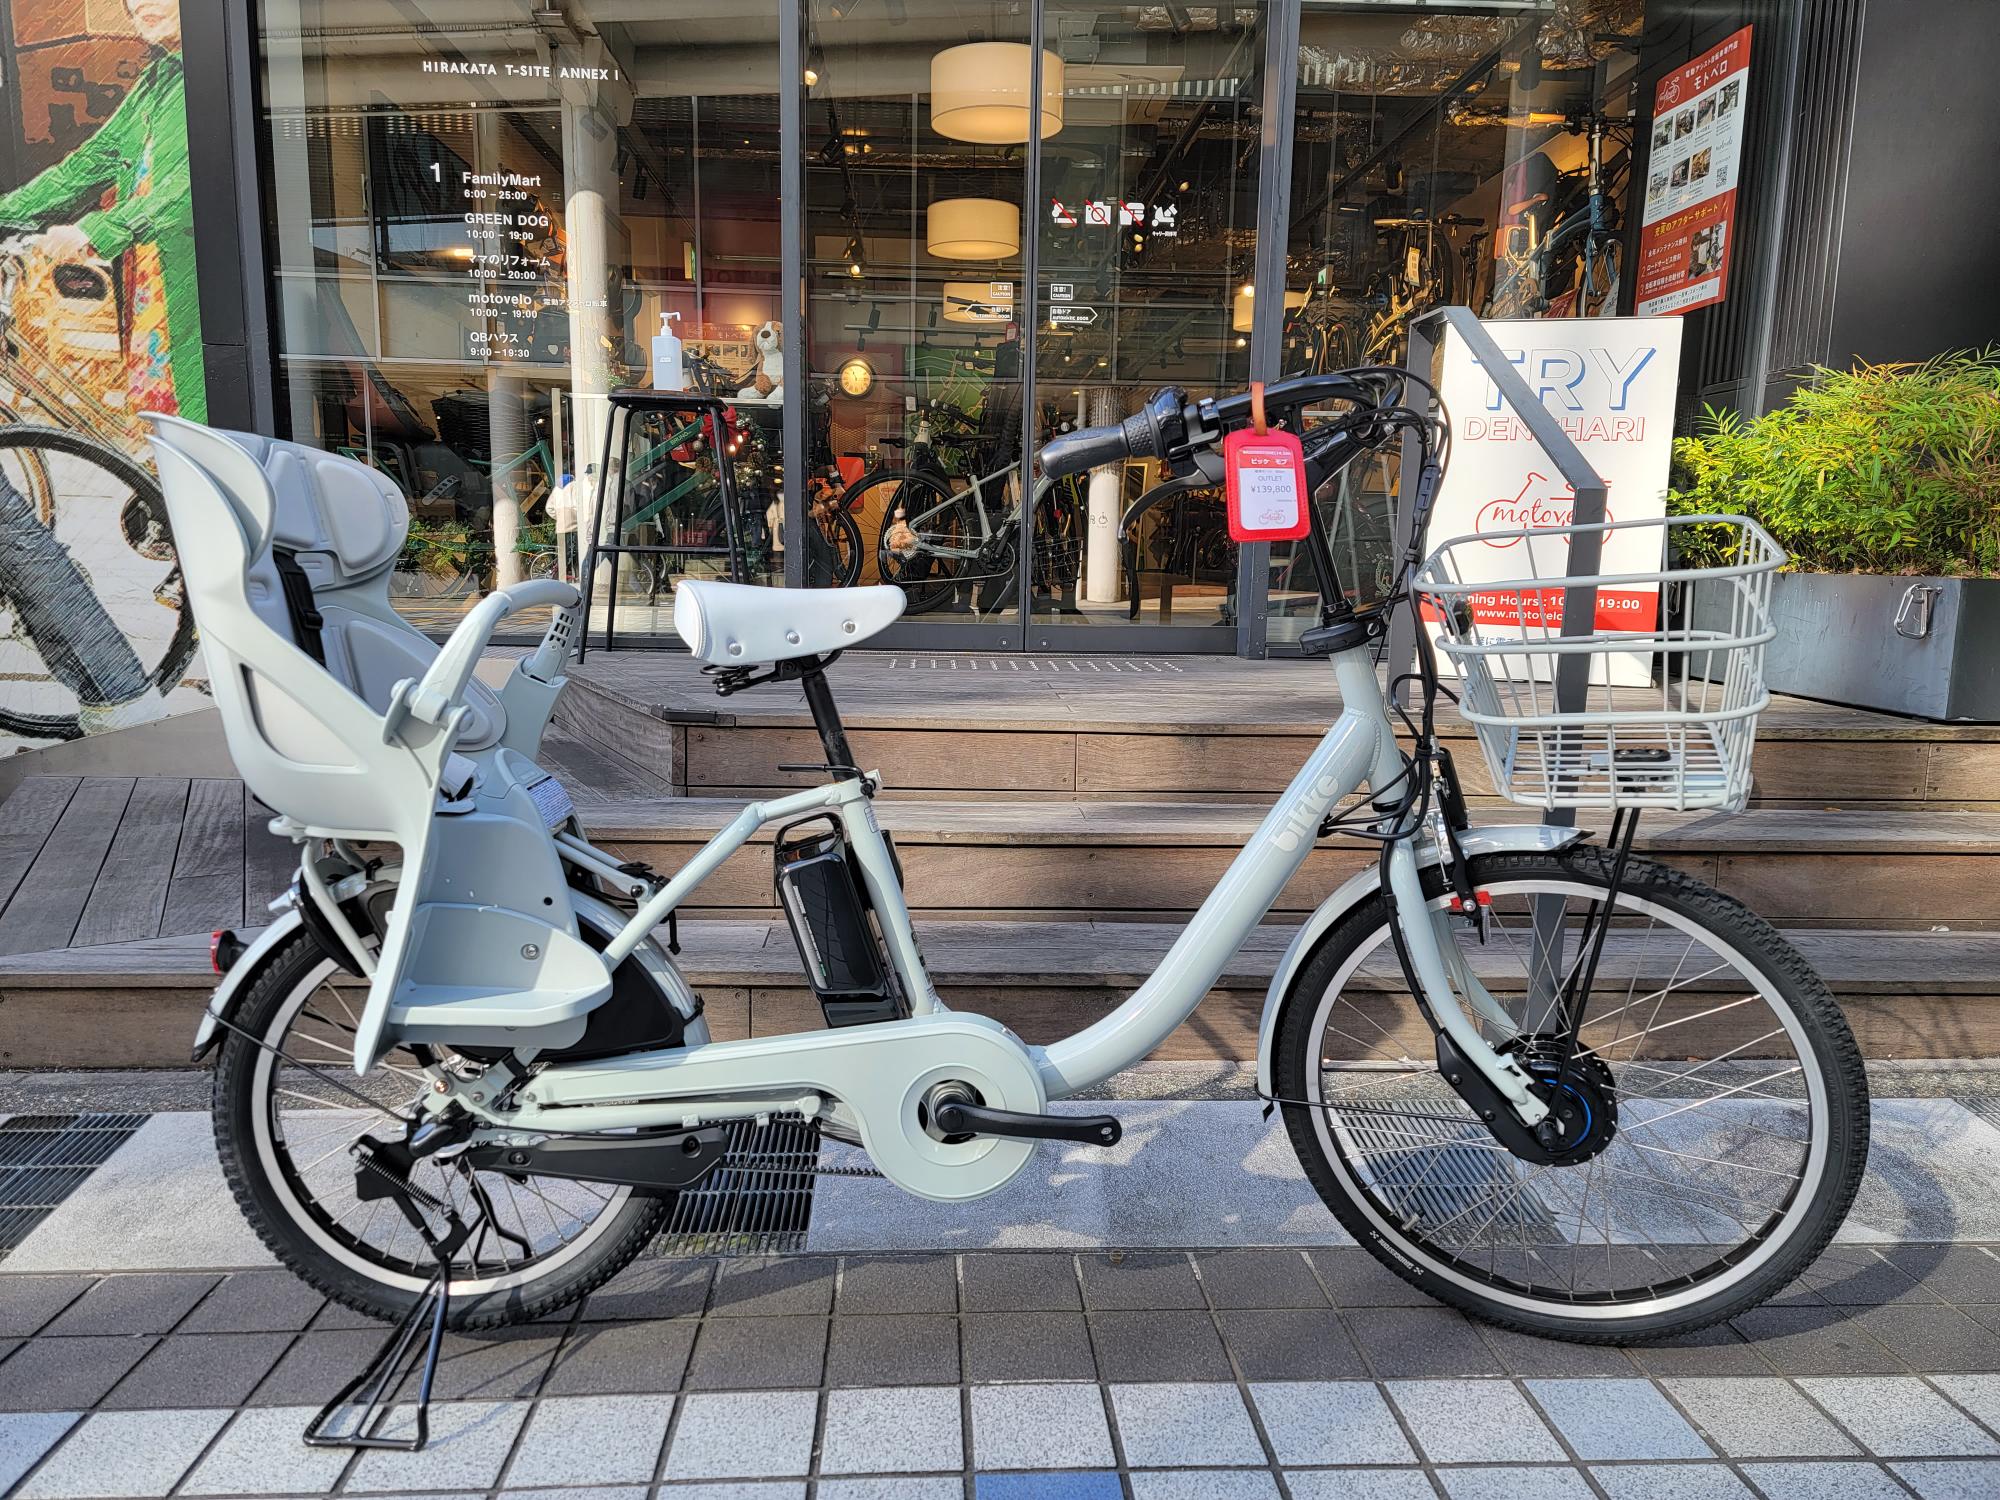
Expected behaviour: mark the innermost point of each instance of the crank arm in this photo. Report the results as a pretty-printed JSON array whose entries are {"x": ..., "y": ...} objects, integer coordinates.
[{"x": 957, "y": 1117}]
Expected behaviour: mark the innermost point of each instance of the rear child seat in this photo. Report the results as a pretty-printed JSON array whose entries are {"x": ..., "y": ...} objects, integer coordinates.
[{"x": 324, "y": 580}]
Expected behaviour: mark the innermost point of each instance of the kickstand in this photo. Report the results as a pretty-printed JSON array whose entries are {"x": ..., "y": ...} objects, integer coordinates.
[{"x": 380, "y": 1174}]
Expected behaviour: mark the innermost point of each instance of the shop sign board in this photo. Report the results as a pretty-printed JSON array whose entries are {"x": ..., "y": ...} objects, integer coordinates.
[
  {"x": 1610, "y": 383},
  {"x": 1689, "y": 212}
]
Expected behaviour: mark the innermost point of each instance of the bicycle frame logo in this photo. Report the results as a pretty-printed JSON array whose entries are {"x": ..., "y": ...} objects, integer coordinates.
[
  {"x": 1524, "y": 511},
  {"x": 1301, "y": 823}
]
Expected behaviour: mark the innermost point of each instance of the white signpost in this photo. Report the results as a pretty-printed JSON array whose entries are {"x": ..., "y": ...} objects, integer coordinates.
[{"x": 1610, "y": 382}]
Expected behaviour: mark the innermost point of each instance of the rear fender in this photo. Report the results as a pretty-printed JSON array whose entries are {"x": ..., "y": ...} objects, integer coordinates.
[
  {"x": 229, "y": 994},
  {"x": 1503, "y": 838}
]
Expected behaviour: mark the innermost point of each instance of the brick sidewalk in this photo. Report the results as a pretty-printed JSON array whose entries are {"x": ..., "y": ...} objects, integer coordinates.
[{"x": 999, "y": 1375}]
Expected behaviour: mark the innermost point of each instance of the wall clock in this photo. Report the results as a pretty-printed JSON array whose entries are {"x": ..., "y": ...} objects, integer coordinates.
[{"x": 857, "y": 377}]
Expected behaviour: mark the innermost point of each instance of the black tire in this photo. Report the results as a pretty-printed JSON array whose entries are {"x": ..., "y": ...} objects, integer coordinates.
[
  {"x": 934, "y": 513},
  {"x": 1388, "y": 1209},
  {"x": 833, "y": 551},
  {"x": 87, "y": 627},
  {"x": 263, "y": 1176}
]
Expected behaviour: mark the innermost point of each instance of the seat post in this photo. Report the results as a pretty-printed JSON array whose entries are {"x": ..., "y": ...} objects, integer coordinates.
[{"x": 826, "y": 719}]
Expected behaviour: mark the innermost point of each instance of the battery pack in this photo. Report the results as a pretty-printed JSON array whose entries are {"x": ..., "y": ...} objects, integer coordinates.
[{"x": 824, "y": 905}]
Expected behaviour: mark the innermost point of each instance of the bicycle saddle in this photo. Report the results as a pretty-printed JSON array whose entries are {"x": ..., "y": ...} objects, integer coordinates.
[{"x": 741, "y": 625}]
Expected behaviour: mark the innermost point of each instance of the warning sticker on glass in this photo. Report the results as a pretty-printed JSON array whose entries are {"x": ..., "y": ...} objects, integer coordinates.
[{"x": 1265, "y": 486}]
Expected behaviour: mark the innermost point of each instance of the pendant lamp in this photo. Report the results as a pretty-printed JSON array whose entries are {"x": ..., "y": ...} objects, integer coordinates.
[
  {"x": 972, "y": 229},
  {"x": 979, "y": 92}
]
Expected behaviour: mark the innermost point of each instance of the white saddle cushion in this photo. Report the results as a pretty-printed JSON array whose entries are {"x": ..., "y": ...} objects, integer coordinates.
[{"x": 740, "y": 625}]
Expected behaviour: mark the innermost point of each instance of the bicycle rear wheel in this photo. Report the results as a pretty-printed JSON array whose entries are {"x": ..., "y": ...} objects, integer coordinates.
[
  {"x": 92, "y": 619},
  {"x": 942, "y": 522},
  {"x": 286, "y": 1115},
  {"x": 1725, "y": 1103}
]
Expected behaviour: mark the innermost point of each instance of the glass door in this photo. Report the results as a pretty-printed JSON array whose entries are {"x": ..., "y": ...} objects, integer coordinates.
[
  {"x": 1146, "y": 225},
  {"x": 916, "y": 139}
]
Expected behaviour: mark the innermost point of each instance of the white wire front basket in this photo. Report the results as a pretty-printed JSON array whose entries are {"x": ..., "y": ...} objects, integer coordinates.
[{"x": 1666, "y": 684}]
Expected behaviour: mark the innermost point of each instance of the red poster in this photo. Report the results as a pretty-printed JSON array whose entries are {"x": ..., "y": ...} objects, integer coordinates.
[{"x": 1687, "y": 222}]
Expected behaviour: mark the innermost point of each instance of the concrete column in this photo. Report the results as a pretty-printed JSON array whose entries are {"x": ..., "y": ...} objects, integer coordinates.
[
  {"x": 505, "y": 434},
  {"x": 1104, "y": 578},
  {"x": 595, "y": 247}
]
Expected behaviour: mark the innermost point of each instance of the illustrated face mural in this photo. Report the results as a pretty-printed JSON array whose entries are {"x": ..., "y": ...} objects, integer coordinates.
[{"x": 99, "y": 324}]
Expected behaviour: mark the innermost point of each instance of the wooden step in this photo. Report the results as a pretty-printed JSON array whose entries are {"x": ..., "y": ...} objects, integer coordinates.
[
  {"x": 1077, "y": 728},
  {"x": 1907, "y": 994},
  {"x": 1151, "y": 860}
]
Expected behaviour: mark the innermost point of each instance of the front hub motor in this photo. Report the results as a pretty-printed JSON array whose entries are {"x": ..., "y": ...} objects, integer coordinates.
[{"x": 1582, "y": 1099}]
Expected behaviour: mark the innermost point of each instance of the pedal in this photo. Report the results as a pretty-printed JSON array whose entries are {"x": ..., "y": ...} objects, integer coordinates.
[{"x": 957, "y": 1117}]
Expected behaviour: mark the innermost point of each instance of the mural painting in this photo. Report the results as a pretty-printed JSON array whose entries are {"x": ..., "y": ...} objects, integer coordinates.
[{"x": 100, "y": 323}]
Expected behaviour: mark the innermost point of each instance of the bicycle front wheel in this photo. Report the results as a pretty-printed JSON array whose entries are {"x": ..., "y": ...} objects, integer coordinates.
[{"x": 1725, "y": 1099}]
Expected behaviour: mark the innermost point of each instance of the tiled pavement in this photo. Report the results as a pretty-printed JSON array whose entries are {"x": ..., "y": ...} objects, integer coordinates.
[
  {"x": 1057, "y": 1369},
  {"x": 995, "y": 1375}
]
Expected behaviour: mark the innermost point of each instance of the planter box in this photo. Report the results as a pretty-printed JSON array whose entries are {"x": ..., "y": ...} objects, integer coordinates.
[{"x": 1838, "y": 639}]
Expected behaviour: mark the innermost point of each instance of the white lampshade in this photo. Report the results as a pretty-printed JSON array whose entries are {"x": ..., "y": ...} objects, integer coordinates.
[
  {"x": 979, "y": 92},
  {"x": 974, "y": 302},
  {"x": 972, "y": 229},
  {"x": 1246, "y": 296}
]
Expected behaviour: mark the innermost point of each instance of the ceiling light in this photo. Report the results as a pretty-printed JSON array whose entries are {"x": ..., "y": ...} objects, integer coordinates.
[
  {"x": 972, "y": 229},
  {"x": 979, "y": 92},
  {"x": 852, "y": 255}
]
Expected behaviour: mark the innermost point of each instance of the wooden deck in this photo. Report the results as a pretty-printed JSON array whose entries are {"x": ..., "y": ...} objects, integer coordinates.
[
  {"x": 110, "y": 886},
  {"x": 90, "y": 860}
]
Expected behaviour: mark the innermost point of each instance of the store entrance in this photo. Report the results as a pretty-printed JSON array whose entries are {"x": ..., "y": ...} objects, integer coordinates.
[{"x": 952, "y": 331}]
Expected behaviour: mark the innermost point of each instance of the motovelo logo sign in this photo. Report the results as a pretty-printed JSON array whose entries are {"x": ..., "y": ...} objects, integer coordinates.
[
  {"x": 1534, "y": 506},
  {"x": 1609, "y": 383}
]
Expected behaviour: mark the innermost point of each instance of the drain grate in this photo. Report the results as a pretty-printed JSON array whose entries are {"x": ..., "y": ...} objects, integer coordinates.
[
  {"x": 1984, "y": 1106},
  {"x": 758, "y": 1204},
  {"x": 45, "y": 1158},
  {"x": 1444, "y": 1175}
]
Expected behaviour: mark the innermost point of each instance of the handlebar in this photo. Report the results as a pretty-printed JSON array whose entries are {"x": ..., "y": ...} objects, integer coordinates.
[{"x": 1169, "y": 424}]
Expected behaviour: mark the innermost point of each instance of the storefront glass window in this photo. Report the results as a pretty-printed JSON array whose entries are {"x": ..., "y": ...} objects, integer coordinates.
[
  {"x": 1147, "y": 227},
  {"x": 479, "y": 214},
  {"x": 915, "y": 178},
  {"x": 1444, "y": 159}
]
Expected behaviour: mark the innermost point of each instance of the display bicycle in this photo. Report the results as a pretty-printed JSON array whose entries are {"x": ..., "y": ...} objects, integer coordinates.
[
  {"x": 1572, "y": 268},
  {"x": 1551, "y": 1082},
  {"x": 940, "y": 533}
]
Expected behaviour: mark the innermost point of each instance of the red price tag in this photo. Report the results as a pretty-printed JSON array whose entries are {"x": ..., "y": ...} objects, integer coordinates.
[{"x": 1265, "y": 480}]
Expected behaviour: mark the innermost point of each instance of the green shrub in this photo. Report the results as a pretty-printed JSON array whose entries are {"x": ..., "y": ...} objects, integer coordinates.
[{"x": 1879, "y": 469}]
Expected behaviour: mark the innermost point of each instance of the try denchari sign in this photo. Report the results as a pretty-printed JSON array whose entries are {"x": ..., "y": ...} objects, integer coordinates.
[{"x": 1610, "y": 382}]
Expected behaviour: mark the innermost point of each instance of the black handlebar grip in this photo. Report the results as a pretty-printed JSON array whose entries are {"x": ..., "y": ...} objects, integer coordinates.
[
  {"x": 1074, "y": 452},
  {"x": 1142, "y": 435}
]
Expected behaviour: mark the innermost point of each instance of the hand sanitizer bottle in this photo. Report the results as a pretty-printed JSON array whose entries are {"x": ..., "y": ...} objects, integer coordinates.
[{"x": 668, "y": 371}]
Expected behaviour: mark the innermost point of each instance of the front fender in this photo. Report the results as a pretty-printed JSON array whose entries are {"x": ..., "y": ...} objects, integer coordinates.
[
  {"x": 230, "y": 991},
  {"x": 1501, "y": 838}
]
